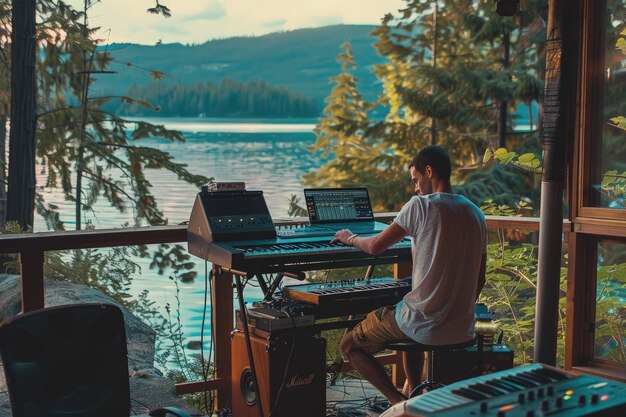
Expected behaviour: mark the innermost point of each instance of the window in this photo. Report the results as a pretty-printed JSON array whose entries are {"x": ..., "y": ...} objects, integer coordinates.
[
  {"x": 610, "y": 321},
  {"x": 607, "y": 176}
]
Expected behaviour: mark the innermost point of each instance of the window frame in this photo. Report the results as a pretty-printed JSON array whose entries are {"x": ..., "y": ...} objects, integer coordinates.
[{"x": 591, "y": 224}]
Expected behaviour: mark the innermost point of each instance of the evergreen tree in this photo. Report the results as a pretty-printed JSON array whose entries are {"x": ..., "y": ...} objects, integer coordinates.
[
  {"x": 445, "y": 81},
  {"x": 91, "y": 153}
]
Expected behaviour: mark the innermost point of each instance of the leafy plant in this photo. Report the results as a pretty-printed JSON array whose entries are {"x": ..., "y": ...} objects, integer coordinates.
[
  {"x": 610, "y": 331},
  {"x": 511, "y": 286}
]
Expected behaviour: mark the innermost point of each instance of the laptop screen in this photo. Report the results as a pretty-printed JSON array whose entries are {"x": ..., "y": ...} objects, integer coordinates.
[{"x": 328, "y": 205}]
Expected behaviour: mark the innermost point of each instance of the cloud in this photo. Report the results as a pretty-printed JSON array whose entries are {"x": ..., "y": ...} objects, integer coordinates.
[
  {"x": 215, "y": 10},
  {"x": 200, "y": 20},
  {"x": 159, "y": 30},
  {"x": 275, "y": 24}
]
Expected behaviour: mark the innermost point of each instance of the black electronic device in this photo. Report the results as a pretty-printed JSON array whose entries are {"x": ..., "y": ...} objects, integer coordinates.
[
  {"x": 272, "y": 319},
  {"x": 535, "y": 390},
  {"x": 228, "y": 216},
  {"x": 455, "y": 365},
  {"x": 337, "y": 298}
]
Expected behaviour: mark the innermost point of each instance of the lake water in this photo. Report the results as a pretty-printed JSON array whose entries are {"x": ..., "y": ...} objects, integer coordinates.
[{"x": 270, "y": 156}]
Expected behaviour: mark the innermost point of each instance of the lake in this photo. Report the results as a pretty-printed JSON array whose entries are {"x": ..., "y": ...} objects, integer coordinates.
[{"x": 267, "y": 155}]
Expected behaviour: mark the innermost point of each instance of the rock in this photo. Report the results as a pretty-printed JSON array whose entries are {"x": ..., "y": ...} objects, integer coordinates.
[{"x": 148, "y": 388}]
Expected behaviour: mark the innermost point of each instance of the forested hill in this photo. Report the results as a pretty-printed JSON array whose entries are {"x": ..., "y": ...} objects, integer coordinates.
[
  {"x": 301, "y": 60},
  {"x": 228, "y": 99}
]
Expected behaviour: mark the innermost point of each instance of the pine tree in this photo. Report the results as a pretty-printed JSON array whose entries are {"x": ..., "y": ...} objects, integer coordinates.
[
  {"x": 97, "y": 147},
  {"x": 445, "y": 81}
]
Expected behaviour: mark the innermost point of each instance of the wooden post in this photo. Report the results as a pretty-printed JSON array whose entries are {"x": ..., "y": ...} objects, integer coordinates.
[
  {"x": 31, "y": 266},
  {"x": 400, "y": 270},
  {"x": 222, "y": 302}
]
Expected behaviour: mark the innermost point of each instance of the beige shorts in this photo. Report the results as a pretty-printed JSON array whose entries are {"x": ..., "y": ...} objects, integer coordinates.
[{"x": 377, "y": 330}]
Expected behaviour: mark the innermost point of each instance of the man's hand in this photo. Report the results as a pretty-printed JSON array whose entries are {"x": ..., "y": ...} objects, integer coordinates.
[{"x": 342, "y": 236}]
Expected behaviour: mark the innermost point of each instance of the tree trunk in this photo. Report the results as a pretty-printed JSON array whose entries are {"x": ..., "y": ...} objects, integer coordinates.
[
  {"x": 3, "y": 168},
  {"x": 504, "y": 104},
  {"x": 21, "y": 190},
  {"x": 433, "y": 122}
]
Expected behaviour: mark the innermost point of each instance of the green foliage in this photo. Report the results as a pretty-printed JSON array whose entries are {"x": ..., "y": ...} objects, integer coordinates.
[
  {"x": 511, "y": 286},
  {"x": 86, "y": 151},
  {"x": 528, "y": 161},
  {"x": 610, "y": 329},
  {"x": 612, "y": 185},
  {"x": 295, "y": 208},
  {"x": 230, "y": 99},
  {"x": 452, "y": 103},
  {"x": 500, "y": 184},
  {"x": 109, "y": 272},
  {"x": 174, "y": 257}
]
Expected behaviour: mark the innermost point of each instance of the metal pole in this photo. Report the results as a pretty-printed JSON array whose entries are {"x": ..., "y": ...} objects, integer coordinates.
[{"x": 552, "y": 182}]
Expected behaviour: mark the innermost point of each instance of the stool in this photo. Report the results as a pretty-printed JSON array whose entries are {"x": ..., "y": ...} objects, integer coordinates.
[{"x": 411, "y": 346}]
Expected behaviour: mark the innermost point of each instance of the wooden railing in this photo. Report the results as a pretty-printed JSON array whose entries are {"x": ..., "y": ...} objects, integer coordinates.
[{"x": 32, "y": 246}]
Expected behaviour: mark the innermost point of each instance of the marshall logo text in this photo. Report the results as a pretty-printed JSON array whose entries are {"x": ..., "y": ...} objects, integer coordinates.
[{"x": 298, "y": 381}]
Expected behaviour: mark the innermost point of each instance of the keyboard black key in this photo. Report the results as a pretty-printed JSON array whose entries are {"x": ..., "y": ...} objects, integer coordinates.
[
  {"x": 528, "y": 379},
  {"x": 519, "y": 381},
  {"x": 537, "y": 376},
  {"x": 502, "y": 385},
  {"x": 471, "y": 394},
  {"x": 498, "y": 383},
  {"x": 491, "y": 391}
]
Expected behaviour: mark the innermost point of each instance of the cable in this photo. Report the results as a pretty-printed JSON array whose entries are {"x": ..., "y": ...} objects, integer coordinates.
[
  {"x": 204, "y": 367},
  {"x": 293, "y": 345}
]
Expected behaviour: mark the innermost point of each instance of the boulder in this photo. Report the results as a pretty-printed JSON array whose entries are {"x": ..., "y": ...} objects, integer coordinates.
[{"x": 148, "y": 388}]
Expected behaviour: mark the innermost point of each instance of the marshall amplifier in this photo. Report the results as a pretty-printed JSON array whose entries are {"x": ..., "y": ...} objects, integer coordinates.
[{"x": 291, "y": 372}]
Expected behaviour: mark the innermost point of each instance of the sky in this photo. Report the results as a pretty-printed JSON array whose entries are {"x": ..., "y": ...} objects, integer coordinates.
[{"x": 197, "y": 21}]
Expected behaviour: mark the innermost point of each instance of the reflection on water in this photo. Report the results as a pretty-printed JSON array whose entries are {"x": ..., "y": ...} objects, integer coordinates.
[{"x": 273, "y": 160}]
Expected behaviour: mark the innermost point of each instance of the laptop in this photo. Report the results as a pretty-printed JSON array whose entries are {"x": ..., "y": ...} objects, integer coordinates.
[{"x": 341, "y": 208}]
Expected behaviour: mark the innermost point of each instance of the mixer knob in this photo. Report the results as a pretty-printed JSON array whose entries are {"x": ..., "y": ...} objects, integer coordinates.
[
  {"x": 550, "y": 390},
  {"x": 501, "y": 413},
  {"x": 582, "y": 400},
  {"x": 540, "y": 393},
  {"x": 545, "y": 405},
  {"x": 521, "y": 398},
  {"x": 558, "y": 402},
  {"x": 531, "y": 395},
  {"x": 594, "y": 399},
  {"x": 530, "y": 413},
  {"x": 483, "y": 407}
]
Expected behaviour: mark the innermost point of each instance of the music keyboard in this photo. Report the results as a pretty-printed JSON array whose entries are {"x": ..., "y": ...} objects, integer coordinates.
[
  {"x": 284, "y": 255},
  {"x": 528, "y": 391},
  {"x": 338, "y": 298}
]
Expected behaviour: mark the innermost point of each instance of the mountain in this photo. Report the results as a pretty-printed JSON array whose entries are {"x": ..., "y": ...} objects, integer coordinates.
[{"x": 301, "y": 60}]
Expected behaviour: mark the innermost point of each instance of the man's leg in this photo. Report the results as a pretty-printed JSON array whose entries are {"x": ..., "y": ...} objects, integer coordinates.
[
  {"x": 413, "y": 363},
  {"x": 369, "y": 368}
]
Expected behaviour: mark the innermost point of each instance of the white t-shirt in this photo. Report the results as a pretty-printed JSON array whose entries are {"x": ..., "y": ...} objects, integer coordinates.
[{"x": 449, "y": 237}]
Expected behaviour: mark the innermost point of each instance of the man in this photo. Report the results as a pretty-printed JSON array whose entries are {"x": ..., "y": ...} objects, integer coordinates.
[{"x": 449, "y": 252}]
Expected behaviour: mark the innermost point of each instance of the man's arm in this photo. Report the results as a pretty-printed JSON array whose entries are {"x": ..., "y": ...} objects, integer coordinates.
[
  {"x": 373, "y": 244},
  {"x": 481, "y": 275}
]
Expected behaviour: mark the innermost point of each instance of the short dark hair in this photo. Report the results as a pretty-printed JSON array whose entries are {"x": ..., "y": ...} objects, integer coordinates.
[{"x": 437, "y": 158}]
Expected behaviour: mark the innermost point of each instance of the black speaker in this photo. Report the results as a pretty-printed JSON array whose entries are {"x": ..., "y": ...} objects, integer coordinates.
[
  {"x": 291, "y": 372},
  {"x": 456, "y": 365}
]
